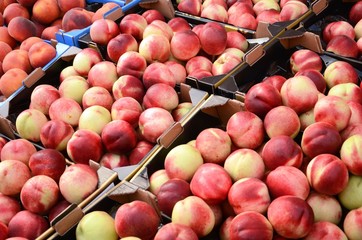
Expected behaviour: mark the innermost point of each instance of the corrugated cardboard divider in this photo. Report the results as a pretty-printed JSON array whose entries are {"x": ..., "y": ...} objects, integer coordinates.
[
  {"x": 254, "y": 54},
  {"x": 292, "y": 38},
  {"x": 7, "y": 128},
  {"x": 164, "y": 6},
  {"x": 67, "y": 219},
  {"x": 319, "y": 6},
  {"x": 33, "y": 77}
]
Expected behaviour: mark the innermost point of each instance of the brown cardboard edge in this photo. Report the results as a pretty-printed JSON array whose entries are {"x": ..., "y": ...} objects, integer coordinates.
[
  {"x": 164, "y": 6},
  {"x": 67, "y": 219},
  {"x": 33, "y": 77},
  {"x": 114, "y": 14},
  {"x": 305, "y": 39},
  {"x": 262, "y": 30},
  {"x": 254, "y": 54},
  {"x": 319, "y": 6},
  {"x": 7, "y": 128}
]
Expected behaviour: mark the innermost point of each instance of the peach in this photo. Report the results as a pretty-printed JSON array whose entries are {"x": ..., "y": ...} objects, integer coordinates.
[
  {"x": 97, "y": 96},
  {"x": 325, "y": 207},
  {"x": 299, "y": 93},
  {"x": 350, "y": 92},
  {"x": 196, "y": 210},
  {"x": 133, "y": 24},
  {"x": 225, "y": 62},
  {"x": 264, "y": 5},
  {"x": 100, "y": 12},
  {"x": 66, "y": 5},
  {"x": 39, "y": 194},
  {"x": 352, "y": 223},
  {"x": 198, "y": 62},
  {"x": 357, "y": 30},
  {"x": 167, "y": 100},
  {"x": 21, "y": 28},
  {"x": 298, "y": 60},
  {"x": 118, "y": 136},
  {"x": 48, "y": 162},
  {"x": 319, "y": 174},
  {"x": 249, "y": 194},
  {"x": 42, "y": 97},
  {"x": 181, "y": 162},
  {"x": 269, "y": 16},
  {"x": 244, "y": 163},
  {"x": 354, "y": 14},
  {"x": 158, "y": 27},
  {"x": 282, "y": 120},
  {"x": 245, "y": 129},
  {"x": 103, "y": 74},
  {"x": 328, "y": 140},
  {"x": 11, "y": 81},
  {"x": 77, "y": 182},
  {"x": 174, "y": 230},
  {"x": 245, "y": 20},
  {"x": 66, "y": 72},
  {"x": 14, "y": 10},
  {"x": 4, "y": 50},
  {"x": 181, "y": 110},
  {"x": 128, "y": 86},
  {"x": 17, "y": 59},
  {"x": 45, "y": 11},
  {"x": 290, "y": 216},
  {"x": 292, "y": 10},
  {"x": 138, "y": 219},
  {"x": 131, "y": 63},
  {"x": 326, "y": 229},
  {"x": 199, "y": 74},
  {"x": 84, "y": 145},
  {"x": 214, "y": 145},
  {"x": 351, "y": 130},
  {"x": 177, "y": 46},
  {"x": 282, "y": 151},
  {"x": 192, "y": 7},
  {"x": 5, "y": 37},
  {"x": 287, "y": 180},
  {"x": 350, "y": 197},
  {"x": 18, "y": 149},
  {"x": 27, "y": 225},
  {"x": 241, "y": 7},
  {"x": 5, "y": 3},
  {"x": 335, "y": 28},
  {"x": 316, "y": 76},
  {"x": 213, "y": 38},
  {"x": 94, "y": 118},
  {"x": 333, "y": 110},
  {"x": 120, "y": 44},
  {"x": 356, "y": 116},
  {"x": 236, "y": 40},
  {"x": 249, "y": 224},
  {"x": 113, "y": 160},
  {"x": 211, "y": 182},
  {"x": 340, "y": 72},
  {"x": 220, "y": 2},
  {"x": 29, "y": 123},
  {"x": 1, "y": 19},
  {"x": 261, "y": 98},
  {"x": 158, "y": 72},
  {"x": 9, "y": 207},
  {"x": 85, "y": 60},
  {"x": 41, "y": 53},
  {"x": 59, "y": 207},
  {"x": 103, "y": 30},
  {"x": 178, "y": 70},
  {"x": 155, "y": 48},
  {"x": 76, "y": 18},
  {"x": 344, "y": 46},
  {"x": 350, "y": 154},
  {"x": 158, "y": 178},
  {"x": 65, "y": 109},
  {"x": 140, "y": 151},
  {"x": 179, "y": 24},
  {"x": 30, "y": 41},
  {"x": 170, "y": 192},
  {"x": 214, "y": 12},
  {"x": 152, "y": 14},
  {"x": 13, "y": 176}
]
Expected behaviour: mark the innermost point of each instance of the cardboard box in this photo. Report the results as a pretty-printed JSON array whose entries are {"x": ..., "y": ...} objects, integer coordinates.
[{"x": 21, "y": 97}]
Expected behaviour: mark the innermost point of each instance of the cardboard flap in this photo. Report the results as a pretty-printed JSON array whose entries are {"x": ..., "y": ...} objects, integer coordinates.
[
  {"x": 69, "y": 54},
  {"x": 318, "y": 6},
  {"x": 221, "y": 107},
  {"x": 170, "y": 135},
  {"x": 7, "y": 128},
  {"x": 254, "y": 54},
  {"x": 114, "y": 14},
  {"x": 67, "y": 219},
  {"x": 262, "y": 30},
  {"x": 141, "y": 179},
  {"x": 164, "y": 6},
  {"x": 292, "y": 38},
  {"x": 33, "y": 77}
]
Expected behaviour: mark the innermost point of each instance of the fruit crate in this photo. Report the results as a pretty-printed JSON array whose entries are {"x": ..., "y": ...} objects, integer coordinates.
[
  {"x": 213, "y": 113},
  {"x": 75, "y": 36},
  {"x": 237, "y": 85},
  {"x": 14, "y": 103}
]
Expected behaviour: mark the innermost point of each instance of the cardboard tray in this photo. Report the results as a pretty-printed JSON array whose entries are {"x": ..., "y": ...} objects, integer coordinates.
[
  {"x": 38, "y": 76},
  {"x": 276, "y": 61}
]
